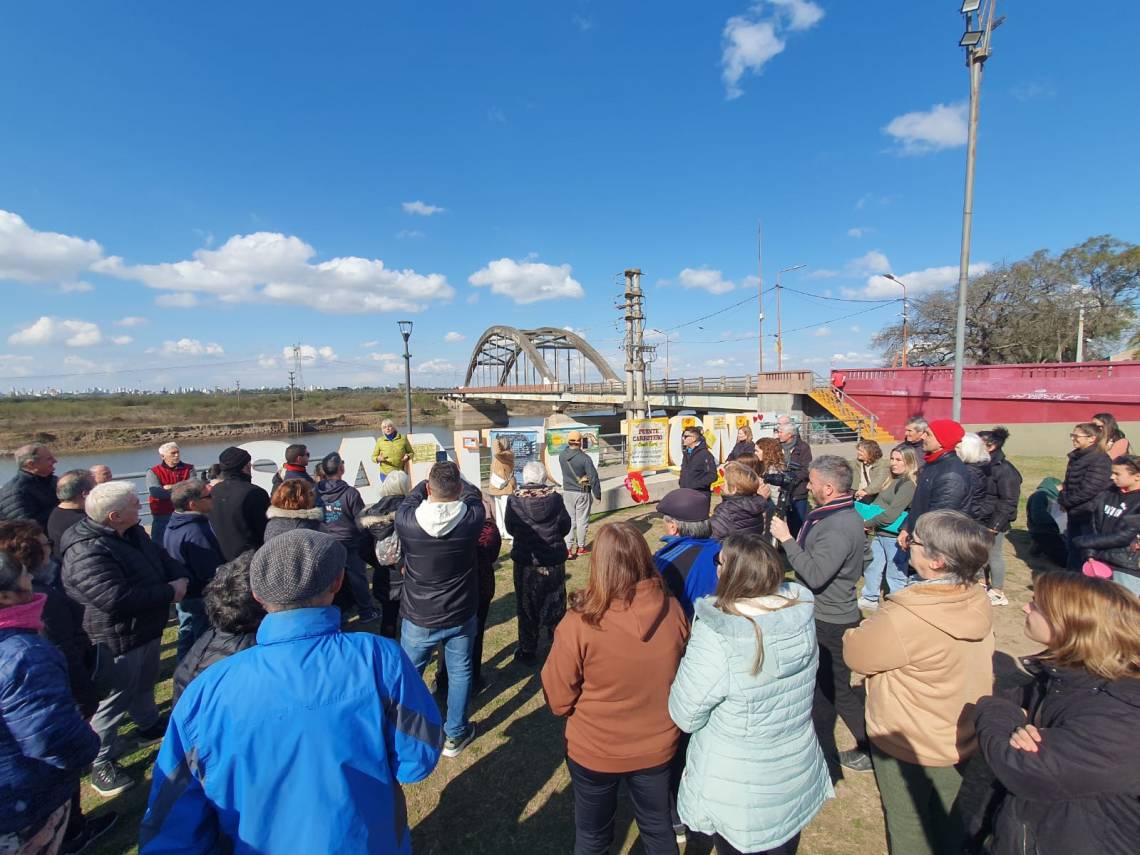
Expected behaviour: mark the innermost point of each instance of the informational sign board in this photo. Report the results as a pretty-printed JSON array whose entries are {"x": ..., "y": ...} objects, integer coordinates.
[
  {"x": 648, "y": 444},
  {"x": 556, "y": 444},
  {"x": 525, "y": 443},
  {"x": 467, "y": 454},
  {"x": 424, "y": 449}
]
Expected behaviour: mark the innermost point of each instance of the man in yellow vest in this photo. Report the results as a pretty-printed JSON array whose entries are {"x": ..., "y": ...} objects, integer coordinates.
[{"x": 392, "y": 450}]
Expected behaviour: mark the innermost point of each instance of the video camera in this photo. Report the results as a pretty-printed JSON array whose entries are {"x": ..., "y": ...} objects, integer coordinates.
[{"x": 785, "y": 480}]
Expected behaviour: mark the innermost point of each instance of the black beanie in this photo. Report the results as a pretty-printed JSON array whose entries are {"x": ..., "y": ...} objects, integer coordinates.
[{"x": 233, "y": 459}]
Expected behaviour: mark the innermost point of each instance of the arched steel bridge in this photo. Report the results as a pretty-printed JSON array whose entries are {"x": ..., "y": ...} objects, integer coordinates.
[{"x": 532, "y": 357}]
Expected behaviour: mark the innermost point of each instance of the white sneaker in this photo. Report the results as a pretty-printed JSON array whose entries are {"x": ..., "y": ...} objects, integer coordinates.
[
  {"x": 997, "y": 598},
  {"x": 868, "y": 605}
]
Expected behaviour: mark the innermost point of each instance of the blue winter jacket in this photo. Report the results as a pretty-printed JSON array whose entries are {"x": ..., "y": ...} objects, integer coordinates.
[
  {"x": 44, "y": 741},
  {"x": 754, "y": 772},
  {"x": 688, "y": 565},
  {"x": 190, "y": 539},
  {"x": 296, "y": 745}
]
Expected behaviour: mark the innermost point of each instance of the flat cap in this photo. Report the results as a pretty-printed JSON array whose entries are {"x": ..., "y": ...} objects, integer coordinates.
[{"x": 295, "y": 566}]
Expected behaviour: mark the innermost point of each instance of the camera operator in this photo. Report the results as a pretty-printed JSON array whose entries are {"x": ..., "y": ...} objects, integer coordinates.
[{"x": 827, "y": 557}]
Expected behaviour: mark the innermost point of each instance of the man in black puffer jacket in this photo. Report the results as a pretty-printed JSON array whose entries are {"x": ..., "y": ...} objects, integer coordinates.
[
  {"x": 537, "y": 519},
  {"x": 238, "y": 512},
  {"x": 30, "y": 495},
  {"x": 126, "y": 585},
  {"x": 439, "y": 524},
  {"x": 943, "y": 483}
]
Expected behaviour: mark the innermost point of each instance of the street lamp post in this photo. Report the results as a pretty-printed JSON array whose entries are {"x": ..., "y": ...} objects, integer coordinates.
[
  {"x": 976, "y": 41},
  {"x": 902, "y": 284},
  {"x": 667, "y": 340},
  {"x": 779, "y": 323},
  {"x": 406, "y": 332}
]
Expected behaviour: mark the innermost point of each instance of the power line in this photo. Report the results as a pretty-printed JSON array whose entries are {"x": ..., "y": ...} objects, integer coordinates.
[
  {"x": 718, "y": 312},
  {"x": 833, "y": 320},
  {"x": 839, "y": 299}
]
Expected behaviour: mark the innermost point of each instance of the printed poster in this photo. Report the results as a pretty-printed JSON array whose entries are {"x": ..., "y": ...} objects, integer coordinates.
[
  {"x": 648, "y": 444},
  {"x": 524, "y": 442}
]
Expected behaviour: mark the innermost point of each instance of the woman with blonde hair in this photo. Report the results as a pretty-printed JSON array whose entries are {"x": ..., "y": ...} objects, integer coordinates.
[
  {"x": 1065, "y": 747},
  {"x": 744, "y": 691},
  {"x": 744, "y": 443},
  {"x": 893, "y": 496},
  {"x": 502, "y": 482},
  {"x": 741, "y": 510},
  {"x": 614, "y": 657}
]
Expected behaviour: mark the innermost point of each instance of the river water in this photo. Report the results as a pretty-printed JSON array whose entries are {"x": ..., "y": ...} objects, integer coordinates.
[{"x": 202, "y": 453}]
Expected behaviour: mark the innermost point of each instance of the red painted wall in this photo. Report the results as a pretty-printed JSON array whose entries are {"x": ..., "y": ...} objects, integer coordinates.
[{"x": 998, "y": 394}]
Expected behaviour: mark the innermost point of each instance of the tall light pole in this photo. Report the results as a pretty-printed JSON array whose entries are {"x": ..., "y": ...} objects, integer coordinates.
[
  {"x": 779, "y": 323},
  {"x": 406, "y": 332},
  {"x": 667, "y": 340},
  {"x": 759, "y": 296},
  {"x": 899, "y": 282},
  {"x": 976, "y": 41}
]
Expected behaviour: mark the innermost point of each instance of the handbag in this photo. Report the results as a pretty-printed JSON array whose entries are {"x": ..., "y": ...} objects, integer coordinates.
[{"x": 388, "y": 551}]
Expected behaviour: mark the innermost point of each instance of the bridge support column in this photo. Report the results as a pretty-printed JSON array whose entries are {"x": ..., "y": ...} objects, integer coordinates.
[{"x": 478, "y": 414}]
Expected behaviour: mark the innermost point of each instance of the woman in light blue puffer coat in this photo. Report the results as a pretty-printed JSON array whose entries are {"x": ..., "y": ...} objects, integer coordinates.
[{"x": 754, "y": 774}]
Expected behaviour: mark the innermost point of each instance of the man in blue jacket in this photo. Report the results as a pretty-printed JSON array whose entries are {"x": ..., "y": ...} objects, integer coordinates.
[
  {"x": 301, "y": 743},
  {"x": 687, "y": 561},
  {"x": 189, "y": 538}
]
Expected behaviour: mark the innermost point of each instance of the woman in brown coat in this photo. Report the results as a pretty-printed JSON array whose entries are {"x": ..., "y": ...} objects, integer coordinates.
[{"x": 502, "y": 482}]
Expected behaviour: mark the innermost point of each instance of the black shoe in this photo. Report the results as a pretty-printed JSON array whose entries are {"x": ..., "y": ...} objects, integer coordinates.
[
  {"x": 107, "y": 779},
  {"x": 527, "y": 659},
  {"x": 856, "y": 760},
  {"x": 94, "y": 828},
  {"x": 152, "y": 734}
]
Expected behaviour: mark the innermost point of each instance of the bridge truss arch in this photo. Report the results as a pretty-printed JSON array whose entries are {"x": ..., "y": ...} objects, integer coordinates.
[{"x": 502, "y": 352}]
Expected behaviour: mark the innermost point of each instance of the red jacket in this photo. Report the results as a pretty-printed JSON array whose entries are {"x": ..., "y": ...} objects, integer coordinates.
[{"x": 167, "y": 476}]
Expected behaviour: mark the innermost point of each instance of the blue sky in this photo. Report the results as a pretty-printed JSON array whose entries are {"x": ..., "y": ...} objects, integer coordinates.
[{"x": 187, "y": 189}]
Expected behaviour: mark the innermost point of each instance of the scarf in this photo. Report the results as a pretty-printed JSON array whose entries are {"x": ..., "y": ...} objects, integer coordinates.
[
  {"x": 26, "y": 615},
  {"x": 821, "y": 513},
  {"x": 293, "y": 467},
  {"x": 934, "y": 455}
]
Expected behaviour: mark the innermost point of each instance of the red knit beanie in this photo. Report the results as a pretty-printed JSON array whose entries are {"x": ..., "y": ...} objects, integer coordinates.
[{"x": 948, "y": 432}]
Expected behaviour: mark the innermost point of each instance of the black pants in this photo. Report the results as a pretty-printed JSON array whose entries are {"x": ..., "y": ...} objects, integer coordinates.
[
  {"x": 540, "y": 600},
  {"x": 723, "y": 847},
  {"x": 595, "y": 804},
  {"x": 387, "y": 588},
  {"x": 833, "y": 692}
]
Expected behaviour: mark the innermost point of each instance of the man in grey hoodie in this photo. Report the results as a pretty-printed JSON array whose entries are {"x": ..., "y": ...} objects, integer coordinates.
[
  {"x": 342, "y": 506},
  {"x": 438, "y": 525},
  {"x": 827, "y": 557}
]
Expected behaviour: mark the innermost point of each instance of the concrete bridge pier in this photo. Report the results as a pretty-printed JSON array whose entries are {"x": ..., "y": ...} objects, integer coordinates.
[{"x": 478, "y": 413}]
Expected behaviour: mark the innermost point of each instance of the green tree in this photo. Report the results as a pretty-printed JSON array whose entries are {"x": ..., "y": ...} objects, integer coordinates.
[{"x": 1026, "y": 311}]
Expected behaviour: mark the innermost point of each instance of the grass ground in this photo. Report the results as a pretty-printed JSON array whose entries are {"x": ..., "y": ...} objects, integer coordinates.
[{"x": 510, "y": 792}]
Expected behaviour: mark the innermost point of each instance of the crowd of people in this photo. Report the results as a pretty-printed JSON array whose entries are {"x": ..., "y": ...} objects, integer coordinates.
[{"x": 708, "y": 676}]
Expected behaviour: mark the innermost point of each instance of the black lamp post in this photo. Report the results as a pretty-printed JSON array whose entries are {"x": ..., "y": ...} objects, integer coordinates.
[{"x": 406, "y": 332}]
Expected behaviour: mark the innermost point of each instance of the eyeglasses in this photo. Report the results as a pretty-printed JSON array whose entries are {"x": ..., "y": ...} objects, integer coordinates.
[
  {"x": 1080, "y": 436},
  {"x": 914, "y": 541},
  {"x": 716, "y": 560}
]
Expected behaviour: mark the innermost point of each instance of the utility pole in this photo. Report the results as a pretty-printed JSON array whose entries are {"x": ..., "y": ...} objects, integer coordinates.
[
  {"x": 635, "y": 405},
  {"x": 1081, "y": 334},
  {"x": 976, "y": 41},
  {"x": 779, "y": 324},
  {"x": 902, "y": 284},
  {"x": 759, "y": 299},
  {"x": 292, "y": 397}
]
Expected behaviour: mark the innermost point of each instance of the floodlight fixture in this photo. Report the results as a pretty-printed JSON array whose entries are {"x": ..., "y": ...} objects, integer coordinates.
[
  {"x": 969, "y": 6},
  {"x": 971, "y": 38}
]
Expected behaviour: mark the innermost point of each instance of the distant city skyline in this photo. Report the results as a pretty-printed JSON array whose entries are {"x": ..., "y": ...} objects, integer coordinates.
[{"x": 182, "y": 204}]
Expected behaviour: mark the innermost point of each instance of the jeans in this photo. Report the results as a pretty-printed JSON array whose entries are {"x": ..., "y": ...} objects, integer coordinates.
[
  {"x": 192, "y": 623},
  {"x": 1076, "y": 556},
  {"x": 578, "y": 504},
  {"x": 833, "y": 692},
  {"x": 919, "y": 806},
  {"x": 788, "y": 847},
  {"x": 126, "y": 685},
  {"x": 458, "y": 645},
  {"x": 797, "y": 513},
  {"x": 883, "y": 549},
  {"x": 997, "y": 562},
  {"x": 1128, "y": 581},
  {"x": 595, "y": 804},
  {"x": 357, "y": 580}
]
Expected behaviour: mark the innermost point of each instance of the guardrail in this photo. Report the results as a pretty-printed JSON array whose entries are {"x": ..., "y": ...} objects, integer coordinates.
[{"x": 793, "y": 382}]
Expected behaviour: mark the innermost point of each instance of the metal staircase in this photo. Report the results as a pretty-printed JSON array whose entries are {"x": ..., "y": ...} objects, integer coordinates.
[{"x": 850, "y": 412}]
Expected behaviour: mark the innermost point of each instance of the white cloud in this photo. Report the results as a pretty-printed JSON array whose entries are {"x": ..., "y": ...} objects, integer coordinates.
[
  {"x": 409, "y": 234},
  {"x": 453, "y": 337},
  {"x": 434, "y": 366},
  {"x": 473, "y": 298},
  {"x": 823, "y": 273},
  {"x": 384, "y": 357},
  {"x": 718, "y": 363},
  {"x": 855, "y": 328},
  {"x": 50, "y": 330},
  {"x": 74, "y": 361},
  {"x": 13, "y": 365},
  {"x": 191, "y": 347},
  {"x": 528, "y": 281},
  {"x": 78, "y": 287},
  {"x": 422, "y": 209},
  {"x": 177, "y": 300},
  {"x": 122, "y": 340},
  {"x": 821, "y": 332},
  {"x": 266, "y": 361},
  {"x": 27, "y": 255},
  {"x": 132, "y": 321},
  {"x": 310, "y": 353},
  {"x": 942, "y": 126},
  {"x": 496, "y": 114},
  {"x": 272, "y": 267},
  {"x": 857, "y": 357},
  {"x": 872, "y": 262},
  {"x": 917, "y": 281},
  {"x": 705, "y": 279},
  {"x": 751, "y": 40},
  {"x": 858, "y": 232},
  {"x": 370, "y": 344}
]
